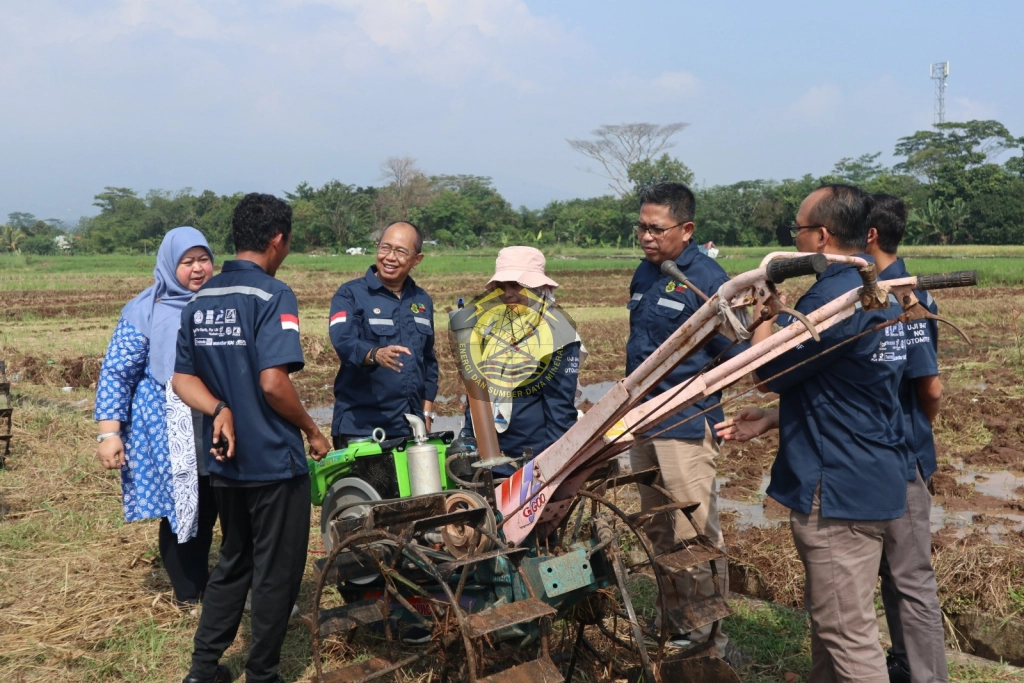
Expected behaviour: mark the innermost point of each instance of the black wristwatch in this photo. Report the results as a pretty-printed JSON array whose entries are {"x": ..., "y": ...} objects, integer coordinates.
[{"x": 220, "y": 406}]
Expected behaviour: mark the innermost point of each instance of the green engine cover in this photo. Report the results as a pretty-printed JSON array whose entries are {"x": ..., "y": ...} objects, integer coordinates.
[{"x": 343, "y": 463}]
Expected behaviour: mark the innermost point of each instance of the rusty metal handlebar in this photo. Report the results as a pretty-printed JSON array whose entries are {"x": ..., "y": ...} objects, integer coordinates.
[
  {"x": 960, "y": 278},
  {"x": 780, "y": 270}
]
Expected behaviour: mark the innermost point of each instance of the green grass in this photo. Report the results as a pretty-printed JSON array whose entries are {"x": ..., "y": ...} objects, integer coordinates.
[
  {"x": 777, "y": 641},
  {"x": 996, "y": 265},
  {"x": 775, "y": 638}
]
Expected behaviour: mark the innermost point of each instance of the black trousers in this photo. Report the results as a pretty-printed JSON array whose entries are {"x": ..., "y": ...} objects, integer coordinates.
[
  {"x": 188, "y": 564},
  {"x": 266, "y": 532}
]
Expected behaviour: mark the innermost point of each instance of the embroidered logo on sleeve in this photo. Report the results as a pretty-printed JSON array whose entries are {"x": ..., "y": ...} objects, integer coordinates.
[
  {"x": 289, "y": 322},
  {"x": 339, "y": 317}
]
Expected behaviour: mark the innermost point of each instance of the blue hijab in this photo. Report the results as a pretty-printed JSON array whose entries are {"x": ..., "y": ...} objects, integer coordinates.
[{"x": 156, "y": 312}]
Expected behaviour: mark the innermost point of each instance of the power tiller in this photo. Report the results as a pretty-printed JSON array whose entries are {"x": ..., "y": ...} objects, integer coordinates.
[{"x": 446, "y": 568}]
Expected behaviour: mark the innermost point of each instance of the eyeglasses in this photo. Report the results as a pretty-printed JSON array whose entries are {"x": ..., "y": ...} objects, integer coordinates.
[
  {"x": 794, "y": 228},
  {"x": 401, "y": 253},
  {"x": 640, "y": 229}
]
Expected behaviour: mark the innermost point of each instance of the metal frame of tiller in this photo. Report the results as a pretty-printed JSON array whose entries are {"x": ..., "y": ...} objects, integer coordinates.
[{"x": 537, "y": 506}]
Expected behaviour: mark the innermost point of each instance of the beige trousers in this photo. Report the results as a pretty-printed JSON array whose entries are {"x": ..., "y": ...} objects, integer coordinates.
[
  {"x": 688, "y": 473},
  {"x": 841, "y": 559}
]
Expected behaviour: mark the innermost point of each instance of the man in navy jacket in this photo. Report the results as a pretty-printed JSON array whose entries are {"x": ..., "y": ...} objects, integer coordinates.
[
  {"x": 685, "y": 453},
  {"x": 237, "y": 345},
  {"x": 382, "y": 327},
  {"x": 909, "y": 590},
  {"x": 842, "y": 462}
]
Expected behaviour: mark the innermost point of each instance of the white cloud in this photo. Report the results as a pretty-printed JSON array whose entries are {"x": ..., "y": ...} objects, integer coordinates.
[
  {"x": 677, "y": 84},
  {"x": 819, "y": 102},
  {"x": 966, "y": 109},
  {"x": 451, "y": 40},
  {"x": 444, "y": 41},
  {"x": 668, "y": 87}
]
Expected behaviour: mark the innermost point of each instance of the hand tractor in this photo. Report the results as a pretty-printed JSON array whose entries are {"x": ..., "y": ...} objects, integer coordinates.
[{"x": 546, "y": 575}]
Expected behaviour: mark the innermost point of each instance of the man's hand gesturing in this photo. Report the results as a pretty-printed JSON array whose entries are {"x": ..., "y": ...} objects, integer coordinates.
[
  {"x": 750, "y": 422},
  {"x": 389, "y": 357}
]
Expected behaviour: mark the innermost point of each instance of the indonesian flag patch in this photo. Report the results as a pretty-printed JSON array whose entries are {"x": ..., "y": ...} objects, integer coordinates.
[
  {"x": 289, "y": 322},
  {"x": 339, "y": 317}
]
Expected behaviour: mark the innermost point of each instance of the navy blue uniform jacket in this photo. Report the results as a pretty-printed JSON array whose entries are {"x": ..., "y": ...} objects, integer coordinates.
[
  {"x": 840, "y": 421},
  {"x": 541, "y": 418},
  {"x": 238, "y": 324},
  {"x": 658, "y": 306},
  {"x": 365, "y": 314},
  {"x": 922, "y": 361}
]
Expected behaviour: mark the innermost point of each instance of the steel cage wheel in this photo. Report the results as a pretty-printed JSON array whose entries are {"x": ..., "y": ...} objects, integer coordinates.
[
  {"x": 440, "y": 639},
  {"x": 619, "y": 627}
]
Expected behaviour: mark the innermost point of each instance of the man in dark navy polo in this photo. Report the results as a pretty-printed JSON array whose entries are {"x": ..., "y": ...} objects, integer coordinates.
[
  {"x": 909, "y": 590},
  {"x": 382, "y": 326},
  {"x": 842, "y": 464},
  {"x": 686, "y": 453},
  {"x": 238, "y": 342}
]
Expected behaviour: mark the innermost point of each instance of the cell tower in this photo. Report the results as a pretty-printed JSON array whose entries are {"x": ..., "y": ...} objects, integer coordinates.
[{"x": 940, "y": 71}]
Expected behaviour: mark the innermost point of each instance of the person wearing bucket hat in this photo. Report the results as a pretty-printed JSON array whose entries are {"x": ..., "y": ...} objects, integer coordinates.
[
  {"x": 523, "y": 266},
  {"x": 533, "y": 385}
]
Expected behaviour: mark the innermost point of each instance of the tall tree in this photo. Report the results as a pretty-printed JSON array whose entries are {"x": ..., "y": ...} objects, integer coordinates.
[
  {"x": 859, "y": 171},
  {"x": 664, "y": 169},
  {"x": 954, "y": 148},
  {"x": 407, "y": 188},
  {"x": 617, "y": 147}
]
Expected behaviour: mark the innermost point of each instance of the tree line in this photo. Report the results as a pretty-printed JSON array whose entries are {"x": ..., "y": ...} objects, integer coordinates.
[{"x": 951, "y": 177}]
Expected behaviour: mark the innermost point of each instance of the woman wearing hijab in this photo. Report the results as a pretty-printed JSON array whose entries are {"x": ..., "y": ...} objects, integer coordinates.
[
  {"x": 532, "y": 372},
  {"x": 145, "y": 429}
]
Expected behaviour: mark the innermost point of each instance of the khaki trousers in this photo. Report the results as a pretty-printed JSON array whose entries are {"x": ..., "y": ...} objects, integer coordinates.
[
  {"x": 841, "y": 559},
  {"x": 909, "y": 591},
  {"x": 688, "y": 473}
]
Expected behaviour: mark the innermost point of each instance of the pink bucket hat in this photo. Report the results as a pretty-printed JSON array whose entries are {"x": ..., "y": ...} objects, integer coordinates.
[{"x": 524, "y": 265}]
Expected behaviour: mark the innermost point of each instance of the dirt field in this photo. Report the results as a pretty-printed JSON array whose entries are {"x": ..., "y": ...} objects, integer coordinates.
[{"x": 82, "y": 598}]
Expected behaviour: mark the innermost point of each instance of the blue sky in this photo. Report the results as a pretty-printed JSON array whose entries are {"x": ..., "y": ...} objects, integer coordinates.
[{"x": 243, "y": 95}]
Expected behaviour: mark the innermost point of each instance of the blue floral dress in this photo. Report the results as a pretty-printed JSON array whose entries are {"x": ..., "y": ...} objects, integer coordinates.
[{"x": 127, "y": 392}]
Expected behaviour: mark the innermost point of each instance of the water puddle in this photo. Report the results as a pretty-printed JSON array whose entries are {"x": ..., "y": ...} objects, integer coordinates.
[
  {"x": 749, "y": 515},
  {"x": 995, "y": 523},
  {"x": 595, "y": 392},
  {"x": 1001, "y": 484}
]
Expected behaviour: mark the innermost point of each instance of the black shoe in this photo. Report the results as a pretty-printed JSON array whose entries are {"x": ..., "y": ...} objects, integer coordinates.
[
  {"x": 898, "y": 673},
  {"x": 223, "y": 675}
]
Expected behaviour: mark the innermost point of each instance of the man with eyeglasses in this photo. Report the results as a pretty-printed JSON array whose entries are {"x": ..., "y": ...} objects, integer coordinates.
[
  {"x": 685, "y": 452},
  {"x": 842, "y": 463},
  {"x": 382, "y": 326}
]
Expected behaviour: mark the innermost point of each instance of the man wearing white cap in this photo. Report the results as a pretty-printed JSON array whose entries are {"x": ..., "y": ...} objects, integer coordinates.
[{"x": 531, "y": 371}]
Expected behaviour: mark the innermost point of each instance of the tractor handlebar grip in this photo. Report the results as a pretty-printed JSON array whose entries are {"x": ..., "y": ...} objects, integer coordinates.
[
  {"x": 961, "y": 278},
  {"x": 780, "y": 270}
]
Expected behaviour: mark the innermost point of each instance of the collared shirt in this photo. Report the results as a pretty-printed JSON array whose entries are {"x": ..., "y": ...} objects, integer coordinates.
[
  {"x": 366, "y": 314},
  {"x": 540, "y": 418},
  {"x": 238, "y": 324},
  {"x": 658, "y": 306},
  {"x": 922, "y": 361},
  {"x": 840, "y": 422}
]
